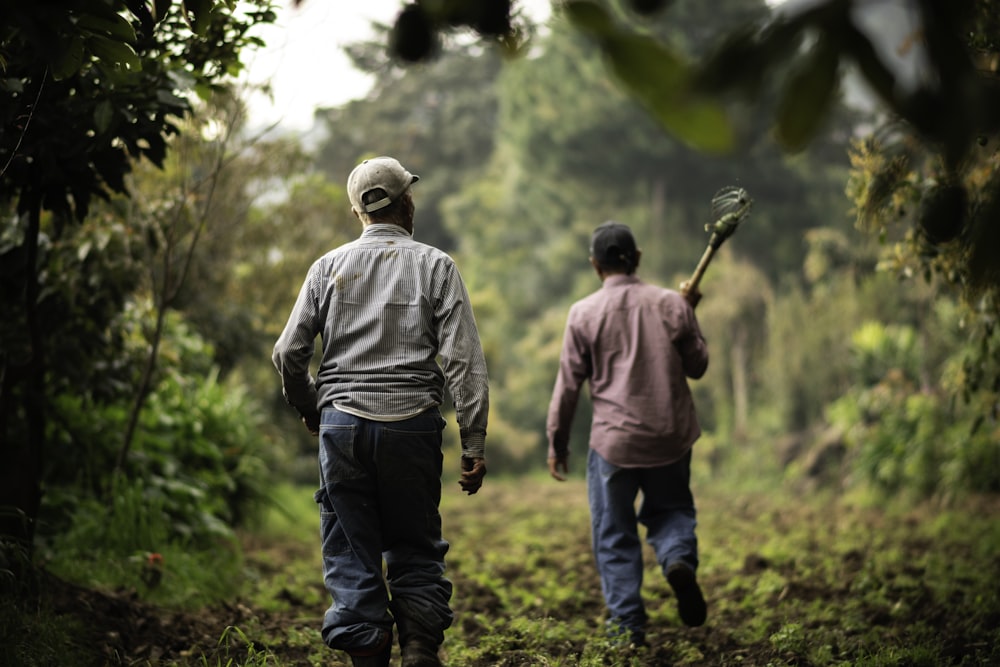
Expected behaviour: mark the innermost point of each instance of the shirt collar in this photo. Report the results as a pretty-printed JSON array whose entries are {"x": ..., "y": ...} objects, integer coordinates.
[
  {"x": 383, "y": 229},
  {"x": 620, "y": 279}
]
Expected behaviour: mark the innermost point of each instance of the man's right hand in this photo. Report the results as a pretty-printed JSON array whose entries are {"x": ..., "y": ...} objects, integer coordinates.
[
  {"x": 692, "y": 296},
  {"x": 473, "y": 471},
  {"x": 559, "y": 467},
  {"x": 312, "y": 423}
]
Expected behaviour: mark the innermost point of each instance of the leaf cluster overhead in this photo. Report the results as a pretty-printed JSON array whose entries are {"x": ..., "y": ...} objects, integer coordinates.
[{"x": 123, "y": 70}]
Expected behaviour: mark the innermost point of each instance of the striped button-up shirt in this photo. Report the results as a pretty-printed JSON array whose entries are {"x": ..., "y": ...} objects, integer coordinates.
[
  {"x": 636, "y": 344},
  {"x": 386, "y": 308}
]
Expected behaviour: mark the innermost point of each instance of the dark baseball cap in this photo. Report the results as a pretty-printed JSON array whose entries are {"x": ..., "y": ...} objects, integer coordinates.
[{"x": 613, "y": 245}]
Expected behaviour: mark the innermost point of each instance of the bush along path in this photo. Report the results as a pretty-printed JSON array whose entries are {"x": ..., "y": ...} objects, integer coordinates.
[{"x": 789, "y": 580}]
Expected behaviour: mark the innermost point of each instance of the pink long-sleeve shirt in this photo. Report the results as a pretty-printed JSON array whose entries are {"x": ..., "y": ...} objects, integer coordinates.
[{"x": 637, "y": 345}]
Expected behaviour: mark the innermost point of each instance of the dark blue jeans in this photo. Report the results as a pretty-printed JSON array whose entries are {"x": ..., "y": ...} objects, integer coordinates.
[
  {"x": 668, "y": 513},
  {"x": 379, "y": 498}
]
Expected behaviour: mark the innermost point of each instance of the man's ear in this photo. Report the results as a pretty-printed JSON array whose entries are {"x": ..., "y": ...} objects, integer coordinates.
[
  {"x": 597, "y": 267},
  {"x": 638, "y": 256}
]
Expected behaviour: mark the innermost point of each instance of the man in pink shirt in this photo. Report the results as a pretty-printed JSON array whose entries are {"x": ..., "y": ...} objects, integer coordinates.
[{"x": 636, "y": 345}]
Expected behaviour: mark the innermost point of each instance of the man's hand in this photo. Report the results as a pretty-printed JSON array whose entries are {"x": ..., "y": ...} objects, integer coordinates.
[
  {"x": 473, "y": 471},
  {"x": 693, "y": 296},
  {"x": 559, "y": 467},
  {"x": 312, "y": 423}
]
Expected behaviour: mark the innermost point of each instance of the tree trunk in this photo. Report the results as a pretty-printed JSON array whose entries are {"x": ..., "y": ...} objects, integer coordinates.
[
  {"x": 741, "y": 390},
  {"x": 22, "y": 415}
]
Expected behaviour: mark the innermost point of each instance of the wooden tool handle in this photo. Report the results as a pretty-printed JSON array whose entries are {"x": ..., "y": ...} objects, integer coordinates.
[{"x": 699, "y": 271}]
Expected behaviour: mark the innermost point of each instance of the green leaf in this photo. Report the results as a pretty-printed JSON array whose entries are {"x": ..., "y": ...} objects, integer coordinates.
[
  {"x": 12, "y": 85},
  {"x": 156, "y": 149},
  {"x": 745, "y": 56},
  {"x": 167, "y": 98},
  {"x": 589, "y": 17},
  {"x": 807, "y": 95},
  {"x": 114, "y": 26},
  {"x": 69, "y": 61},
  {"x": 115, "y": 54},
  {"x": 659, "y": 79},
  {"x": 103, "y": 114},
  {"x": 201, "y": 11}
]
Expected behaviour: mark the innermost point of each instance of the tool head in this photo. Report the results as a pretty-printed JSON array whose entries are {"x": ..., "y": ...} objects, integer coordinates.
[{"x": 730, "y": 206}]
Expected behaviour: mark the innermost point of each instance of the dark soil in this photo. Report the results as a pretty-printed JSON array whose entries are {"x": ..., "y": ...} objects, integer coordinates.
[{"x": 128, "y": 631}]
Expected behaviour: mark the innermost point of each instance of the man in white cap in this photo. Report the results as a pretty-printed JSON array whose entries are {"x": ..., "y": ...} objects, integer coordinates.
[
  {"x": 636, "y": 345},
  {"x": 386, "y": 308}
]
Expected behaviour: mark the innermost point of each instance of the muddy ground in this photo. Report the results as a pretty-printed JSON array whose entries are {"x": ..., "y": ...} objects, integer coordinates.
[
  {"x": 792, "y": 581},
  {"x": 128, "y": 631}
]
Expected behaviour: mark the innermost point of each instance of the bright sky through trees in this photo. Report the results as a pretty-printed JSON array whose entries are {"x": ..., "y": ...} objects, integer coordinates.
[{"x": 305, "y": 62}]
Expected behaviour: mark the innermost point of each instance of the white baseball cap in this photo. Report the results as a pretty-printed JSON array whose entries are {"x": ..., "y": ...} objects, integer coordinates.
[{"x": 383, "y": 173}]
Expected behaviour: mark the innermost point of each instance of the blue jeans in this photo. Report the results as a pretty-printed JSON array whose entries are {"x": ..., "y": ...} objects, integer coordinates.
[
  {"x": 379, "y": 498},
  {"x": 668, "y": 513}
]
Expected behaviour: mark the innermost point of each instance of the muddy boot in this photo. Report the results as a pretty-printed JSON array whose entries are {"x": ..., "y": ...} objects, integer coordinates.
[
  {"x": 690, "y": 601},
  {"x": 420, "y": 651},
  {"x": 378, "y": 656},
  {"x": 419, "y": 640}
]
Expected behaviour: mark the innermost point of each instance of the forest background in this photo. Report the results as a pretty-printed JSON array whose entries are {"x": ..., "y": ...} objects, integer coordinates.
[{"x": 852, "y": 331}]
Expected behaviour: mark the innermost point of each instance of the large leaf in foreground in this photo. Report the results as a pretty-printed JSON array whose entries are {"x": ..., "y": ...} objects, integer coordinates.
[{"x": 658, "y": 78}]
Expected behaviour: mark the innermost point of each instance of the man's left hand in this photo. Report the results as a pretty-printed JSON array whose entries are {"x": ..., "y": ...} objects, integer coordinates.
[
  {"x": 559, "y": 467},
  {"x": 473, "y": 471}
]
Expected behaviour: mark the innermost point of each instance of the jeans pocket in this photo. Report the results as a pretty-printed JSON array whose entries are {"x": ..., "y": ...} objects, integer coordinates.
[
  {"x": 337, "y": 460},
  {"x": 334, "y": 540},
  {"x": 415, "y": 454}
]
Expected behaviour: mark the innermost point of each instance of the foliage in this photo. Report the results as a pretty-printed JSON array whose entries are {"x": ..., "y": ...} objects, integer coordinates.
[
  {"x": 420, "y": 27},
  {"x": 119, "y": 67},
  {"x": 235, "y": 640},
  {"x": 657, "y": 76},
  {"x": 910, "y": 438},
  {"x": 440, "y": 120},
  {"x": 198, "y": 456},
  {"x": 36, "y": 637},
  {"x": 122, "y": 75},
  {"x": 129, "y": 541},
  {"x": 87, "y": 275},
  {"x": 909, "y": 198}
]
